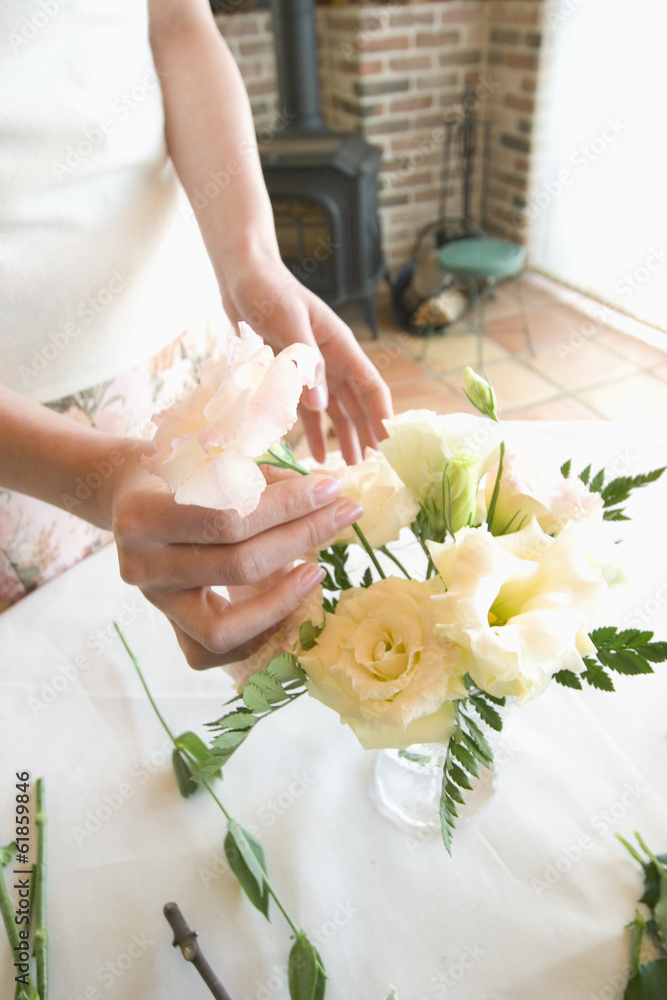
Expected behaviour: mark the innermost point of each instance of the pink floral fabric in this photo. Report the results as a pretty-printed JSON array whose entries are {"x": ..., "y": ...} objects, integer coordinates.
[{"x": 38, "y": 541}]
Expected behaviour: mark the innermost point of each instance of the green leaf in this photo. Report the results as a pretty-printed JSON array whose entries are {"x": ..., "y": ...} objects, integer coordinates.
[
  {"x": 308, "y": 634},
  {"x": 270, "y": 688},
  {"x": 229, "y": 740},
  {"x": 456, "y": 774},
  {"x": 475, "y": 734},
  {"x": 660, "y": 909},
  {"x": 596, "y": 676},
  {"x": 487, "y": 713},
  {"x": 602, "y": 636},
  {"x": 393, "y": 995},
  {"x": 598, "y": 482},
  {"x": 254, "y": 698},
  {"x": 652, "y": 881},
  {"x": 284, "y": 668},
  {"x": 614, "y": 515},
  {"x": 303, "y": 970},
  {"x": 454, "y": 792},
  {"x": 183, "y": 770},
  {"x": 246, "y": 859},
  {"x": 6, "y": 854},
  {"x": 585, "y": 475},
  {"x": 367, "y": 578},
  {"x": 624, "y": 661},
  {"x": 568, "y": 679},
  {"x": 650, "y": 983},
  {"x": 464, "y": 757},
  {"x": 193, "y": 745},
  {"x": 633, "y": 637},
  {"x": 242, "y": 718},
  {"x": 566, "y": 468},
  {"x": 656, "y": 652},
  {"x": 619, "y": 489}
]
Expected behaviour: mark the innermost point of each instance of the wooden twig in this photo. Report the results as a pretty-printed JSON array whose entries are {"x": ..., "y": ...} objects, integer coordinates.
[{"x": 186, "y": 940}]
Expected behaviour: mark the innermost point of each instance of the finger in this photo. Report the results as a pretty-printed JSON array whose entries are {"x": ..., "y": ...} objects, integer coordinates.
[
  {"x": 247, "y": 562},
  {"x": 151, "y": 514},
  {"x": 313, "y": 426},
  {"x": 359, "y": 418},
  {"x": 212, "y": 632},
  {"x": 346, "y": 432}
]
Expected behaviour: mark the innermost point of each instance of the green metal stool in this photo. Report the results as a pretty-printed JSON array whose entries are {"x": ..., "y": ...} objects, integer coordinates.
[{"x": 485, "y": 260}]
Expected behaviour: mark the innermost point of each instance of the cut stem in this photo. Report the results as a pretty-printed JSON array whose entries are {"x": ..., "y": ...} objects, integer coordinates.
[
  {"x": 41, "y": 938},
  {"x": 206, "y": 785},
  {"x": 22, "y": 992}
]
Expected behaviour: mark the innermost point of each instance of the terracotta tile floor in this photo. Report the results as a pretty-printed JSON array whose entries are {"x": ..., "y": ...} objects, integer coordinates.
[{"x": 589, "y": 363}]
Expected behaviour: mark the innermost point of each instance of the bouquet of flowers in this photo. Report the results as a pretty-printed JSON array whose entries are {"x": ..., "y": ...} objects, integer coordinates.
[{"x": 515, "y": 564}]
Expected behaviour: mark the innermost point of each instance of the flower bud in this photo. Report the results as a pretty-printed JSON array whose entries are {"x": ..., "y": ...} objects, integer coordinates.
[{"x": 480, "y": 393}]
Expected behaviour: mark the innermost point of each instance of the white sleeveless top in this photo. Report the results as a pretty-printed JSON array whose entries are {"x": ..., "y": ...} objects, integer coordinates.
[{"x": 101, "y": 260}]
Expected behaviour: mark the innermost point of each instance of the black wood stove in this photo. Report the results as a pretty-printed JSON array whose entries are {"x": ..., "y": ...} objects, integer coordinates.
[{"x": 323, "y": 185}]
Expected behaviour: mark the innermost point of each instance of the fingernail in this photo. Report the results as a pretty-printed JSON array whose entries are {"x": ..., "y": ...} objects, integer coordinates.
[
  {"x": 311, "y": 577},
  {"x": 317, "y": 398},
  {"x": 347, "y": 514},
  {"x": 327, "y": 490}
]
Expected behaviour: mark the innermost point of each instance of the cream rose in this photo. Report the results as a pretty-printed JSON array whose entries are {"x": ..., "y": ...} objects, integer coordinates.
[
  {"x": 379, "y": 664},
  {"x": 441, "y": 460},
  {"x": 388, "y": 504},
  {"x": 517, "y": 605},
  {"x": 206, "y": 444}
]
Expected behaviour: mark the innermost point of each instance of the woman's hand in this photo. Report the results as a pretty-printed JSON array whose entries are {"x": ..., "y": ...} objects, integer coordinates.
[
  {"x": 282, "y": 311},
  {"x": 175, "y": 554}
]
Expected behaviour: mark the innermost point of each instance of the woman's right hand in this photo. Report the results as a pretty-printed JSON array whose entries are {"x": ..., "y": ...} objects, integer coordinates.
[{"x": 176, "y": 554}]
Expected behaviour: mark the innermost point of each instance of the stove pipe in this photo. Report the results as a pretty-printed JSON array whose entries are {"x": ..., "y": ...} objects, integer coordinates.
[{"x": 296, "y": 63}]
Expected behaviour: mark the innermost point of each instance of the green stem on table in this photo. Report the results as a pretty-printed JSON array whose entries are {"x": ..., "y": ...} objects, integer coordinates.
[
  {"x": 206, "y": 784},
  {"x": 22, "y": 991},
  {"x": 41, "y": 937},
  {"x": 364, "y": 541},
  {"x": 496, "y": 488},
  {"x": 631, "y": 849},
  {"x": 390, "y": 555},
  {"x": 637, "y": 928},
  {"x": 145, "y": 685}
]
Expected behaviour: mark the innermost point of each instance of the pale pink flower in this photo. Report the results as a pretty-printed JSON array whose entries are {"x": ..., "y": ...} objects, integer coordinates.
[{"x": 206, "y": 444}]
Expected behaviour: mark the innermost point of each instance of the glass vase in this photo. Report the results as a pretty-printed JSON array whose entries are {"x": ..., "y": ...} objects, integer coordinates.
[{"x": 407, "y": 786}]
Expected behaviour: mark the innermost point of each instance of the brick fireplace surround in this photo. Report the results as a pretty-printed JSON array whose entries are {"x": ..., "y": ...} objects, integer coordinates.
[{"x": 395, "y": 72}]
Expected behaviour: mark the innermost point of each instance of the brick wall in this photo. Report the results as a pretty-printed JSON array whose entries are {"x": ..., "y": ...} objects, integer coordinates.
[{"x": 395, "y": 72}]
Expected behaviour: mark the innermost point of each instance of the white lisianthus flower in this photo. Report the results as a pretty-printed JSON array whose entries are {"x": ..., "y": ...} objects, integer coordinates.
[
  {"x": 517, "y": 605},
  {"x": 388, "y": 504},
  {"x": 441, "y": 460},
  {"x": 206, "y": 444},
  {"x": 524, "y": 492},
  {"x": 380, "y": 665}
]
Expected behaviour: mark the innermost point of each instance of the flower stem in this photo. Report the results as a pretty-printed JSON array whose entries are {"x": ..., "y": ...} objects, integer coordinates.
[
  {"x": 496, "y": 488},
  {"x": 145, "y": 685},
  {"x": 41, "y": 938},
  {"x": 390, "y": 555},
  {"x": 22, "y": 991},
  {"x": 227, "y": 815},
  {"x": 364, "y": 541}
]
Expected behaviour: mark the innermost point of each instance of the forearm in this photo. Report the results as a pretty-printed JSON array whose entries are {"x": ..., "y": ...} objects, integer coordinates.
[
  {"x": 211, "y": 136},
  {"x": 48, "y": 456}
]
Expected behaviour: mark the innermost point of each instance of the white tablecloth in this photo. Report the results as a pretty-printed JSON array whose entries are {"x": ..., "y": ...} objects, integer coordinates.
[{"x": 531, "y": 907}]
